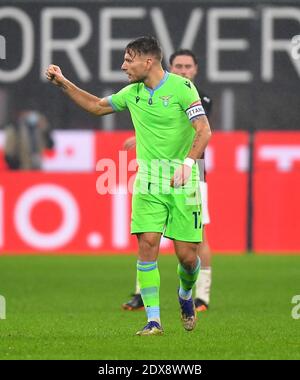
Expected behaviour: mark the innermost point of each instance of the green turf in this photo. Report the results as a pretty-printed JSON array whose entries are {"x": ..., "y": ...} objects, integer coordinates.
[{"x": 69, "y": 308}]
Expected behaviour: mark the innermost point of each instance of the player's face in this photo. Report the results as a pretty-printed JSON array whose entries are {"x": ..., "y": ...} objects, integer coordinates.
[
  {"x": 136, "y": 66},
  {"x": 184, "y": 66}
]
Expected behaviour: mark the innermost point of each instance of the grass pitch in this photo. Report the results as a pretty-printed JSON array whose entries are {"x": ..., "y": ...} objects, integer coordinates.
[{"x": 69, "y": 308}]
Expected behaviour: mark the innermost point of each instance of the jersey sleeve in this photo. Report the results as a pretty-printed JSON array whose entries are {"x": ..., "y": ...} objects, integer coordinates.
[
  {"x": 190, "y": 100},
  {"x": 118, "y": 100}
]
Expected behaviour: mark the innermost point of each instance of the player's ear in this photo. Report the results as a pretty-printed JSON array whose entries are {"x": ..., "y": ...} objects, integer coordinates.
[{"x": 149, "y": 62}]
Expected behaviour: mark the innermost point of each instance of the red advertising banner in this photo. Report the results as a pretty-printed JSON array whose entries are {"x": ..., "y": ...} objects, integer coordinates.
[
  {"x": 277, "y": 192},
  {"x": 68, "y": 212},
  {"x": 227, "y": 166},
  {"x": 63, "y": 212}
]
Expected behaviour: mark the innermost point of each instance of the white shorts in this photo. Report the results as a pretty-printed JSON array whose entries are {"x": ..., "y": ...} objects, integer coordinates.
[{"x": 204, "y": 200}]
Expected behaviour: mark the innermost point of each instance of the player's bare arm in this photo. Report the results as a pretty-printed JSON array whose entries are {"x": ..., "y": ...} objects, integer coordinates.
[
  {"x": 201, "y": 139},
  {"x": 84, "y": 99}
]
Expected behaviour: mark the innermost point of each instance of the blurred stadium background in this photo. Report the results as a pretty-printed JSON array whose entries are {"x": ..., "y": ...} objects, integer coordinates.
[{"x": 249, "y": 64}]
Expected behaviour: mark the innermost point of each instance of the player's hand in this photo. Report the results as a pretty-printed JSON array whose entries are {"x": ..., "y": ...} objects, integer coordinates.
[
  {"x": 181, "y": 176},
  {"x": 129, "y": 143},
  {"x": 54, "y": 75}
]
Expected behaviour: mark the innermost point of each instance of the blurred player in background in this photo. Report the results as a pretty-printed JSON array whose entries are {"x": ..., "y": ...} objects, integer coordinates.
[
  {"x": 26, "y": 139},
  {"x": 184, "y": 62},
  {"x": 172, "y": 131}
]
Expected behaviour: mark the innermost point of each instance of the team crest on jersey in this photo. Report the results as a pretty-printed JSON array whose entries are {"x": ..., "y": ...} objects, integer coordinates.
[{"x": 166, "y": 100}]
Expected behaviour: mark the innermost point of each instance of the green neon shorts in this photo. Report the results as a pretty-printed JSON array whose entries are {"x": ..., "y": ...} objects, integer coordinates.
[{"x": 176, "y": 214}]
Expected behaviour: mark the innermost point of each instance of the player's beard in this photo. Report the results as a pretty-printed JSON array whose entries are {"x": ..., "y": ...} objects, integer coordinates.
[{"x": 139, "y": 80}]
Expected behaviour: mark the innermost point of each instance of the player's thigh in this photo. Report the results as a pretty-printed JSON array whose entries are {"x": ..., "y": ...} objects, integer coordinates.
[{"x": 149, "y": 213}]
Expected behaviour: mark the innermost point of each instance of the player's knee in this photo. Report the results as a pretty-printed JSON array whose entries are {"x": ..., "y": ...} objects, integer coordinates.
[
  {"x": 189, "y": 264},
  {"x": 190, "y": 260},
  {"x": 148, "y": 247}
]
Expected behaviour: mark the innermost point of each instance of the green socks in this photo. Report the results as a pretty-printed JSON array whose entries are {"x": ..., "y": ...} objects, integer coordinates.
[
  {"x": 187, "y": 280},
  {"x": 149, "y": 282}
]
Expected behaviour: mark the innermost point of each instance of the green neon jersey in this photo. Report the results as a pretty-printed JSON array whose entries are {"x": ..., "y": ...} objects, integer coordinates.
[{"x": 161, "y": 117}]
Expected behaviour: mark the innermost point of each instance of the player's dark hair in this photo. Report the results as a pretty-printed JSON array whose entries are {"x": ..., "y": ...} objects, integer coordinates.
[
  {"x": 145, "y": 45},
  {"x": 182, "y": 52}
]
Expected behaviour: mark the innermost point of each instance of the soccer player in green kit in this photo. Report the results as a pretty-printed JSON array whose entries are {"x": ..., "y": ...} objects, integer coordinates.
[
  {"x": 172, "y": 132},
  {"x": 183, "y": 62}
]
